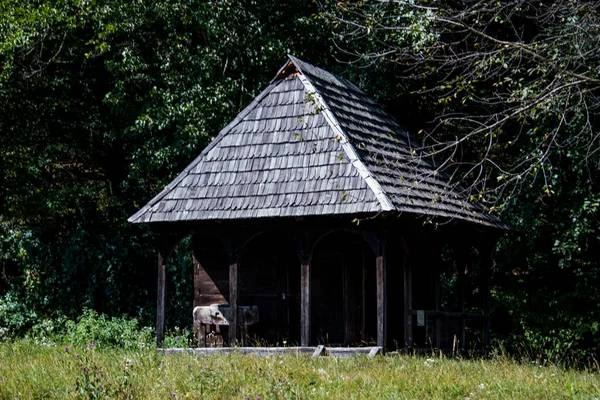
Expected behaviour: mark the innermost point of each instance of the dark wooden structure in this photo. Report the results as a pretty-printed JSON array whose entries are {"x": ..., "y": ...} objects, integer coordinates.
[{"x": 313, "y": 205}]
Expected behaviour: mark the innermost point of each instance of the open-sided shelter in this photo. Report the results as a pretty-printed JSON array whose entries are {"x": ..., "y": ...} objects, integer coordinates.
[{"x": 317, "y": 207}]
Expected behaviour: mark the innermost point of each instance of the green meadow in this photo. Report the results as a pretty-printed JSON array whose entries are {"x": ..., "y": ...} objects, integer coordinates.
[{"x": 30, "y": 369}]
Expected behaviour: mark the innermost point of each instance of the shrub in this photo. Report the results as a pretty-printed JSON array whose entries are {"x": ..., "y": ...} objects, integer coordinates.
[
  {"x": 96, "y": 328},
  {"x": 15, "y": 317}
]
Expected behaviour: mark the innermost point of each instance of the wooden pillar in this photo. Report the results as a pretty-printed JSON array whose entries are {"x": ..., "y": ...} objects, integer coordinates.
[
  {"x": 408, "y": 328},
  {"x": 377, "y": 243},
  {"x": 462, "y": 261},
  {"x": 197, "y": 281},
  {"x": 166, "y": 244},
  {"x": 160, "y": 300},
  {"x": 234, "y": 261},
  {"x": 303, "y": 248},
  {"x": 381, "y": 275},
  {"x": 437, "y": 299},
  {"x": 349, "y": 305},
  {"x": 486, "y": 265}
]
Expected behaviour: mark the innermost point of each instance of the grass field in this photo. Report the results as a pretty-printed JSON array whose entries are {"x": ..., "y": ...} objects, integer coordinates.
[{"x": 29, "y": 370}]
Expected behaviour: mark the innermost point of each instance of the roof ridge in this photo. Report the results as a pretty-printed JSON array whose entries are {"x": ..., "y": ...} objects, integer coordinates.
[
  {"x": 347, "y": 146},
  {"x": 239, "y": 117}
]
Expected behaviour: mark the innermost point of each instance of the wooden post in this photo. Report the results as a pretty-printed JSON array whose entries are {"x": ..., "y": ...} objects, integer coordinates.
[
  {"x": 486, "y": 265},
  {"x": 160, "y": 300},
  {"x": 462, "y": 260},
  {"x": 408, "y": 329},
  {"x": 349, "y": 305},
  {"x": 234, "y": 260},
  {"x": 363, "y": 306},
  {"x": 377, "y": 243},
  {"x": 303, "y": 249},
  {"x": 166, "y": 244},
  {"x": 381, "y": 272},
  {"x": 437, "y": 296},
  {"x": 197, "y": 282},
  {"x": 305, "y": 304}
]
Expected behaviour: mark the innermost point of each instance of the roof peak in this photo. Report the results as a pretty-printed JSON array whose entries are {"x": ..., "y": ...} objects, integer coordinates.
[{"x": 312, "y": 145}]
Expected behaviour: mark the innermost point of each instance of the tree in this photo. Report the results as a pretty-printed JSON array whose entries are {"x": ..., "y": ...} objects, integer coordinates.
[
  {"x": 510, "y": 79},
  {"x": 101, "y": 103},
  {"x": 506, "y": 94}
]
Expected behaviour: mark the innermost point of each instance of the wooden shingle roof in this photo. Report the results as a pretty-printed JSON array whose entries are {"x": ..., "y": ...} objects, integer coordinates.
[{"x": 310, "y": 144}]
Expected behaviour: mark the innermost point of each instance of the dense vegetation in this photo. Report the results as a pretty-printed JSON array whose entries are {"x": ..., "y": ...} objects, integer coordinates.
[
  {"x": 84, "y": 372},
  {"x": 101, "y": 103}
]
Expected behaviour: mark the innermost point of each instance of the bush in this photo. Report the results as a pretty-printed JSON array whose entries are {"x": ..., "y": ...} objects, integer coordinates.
[
  {"x": 121, "y": 332},
  {"x": 15, "y": 317}
]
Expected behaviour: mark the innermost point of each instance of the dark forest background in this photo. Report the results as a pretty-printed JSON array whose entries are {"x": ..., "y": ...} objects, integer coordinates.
[{"x": 102, "y": 103}]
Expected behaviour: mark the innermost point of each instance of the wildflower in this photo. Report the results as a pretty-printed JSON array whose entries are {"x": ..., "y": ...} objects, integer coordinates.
[
  {"x": 76, "y": 355},
  {"x": 201, "y": 337},
  {"x": 66, "y": 348},
  {"x": 92, "y": 345},
  {"x": 177, "y": 337},
  {"x": 481, "y": 386},
  {"x": 101, "y": 375},
  {"x": 173, "y": 394},
  {"x": 176, "y": 329},
  {"x": 429, "y": 362},
  {"x": 257, "y": 398},
  {"x": 321, "y": 371}
]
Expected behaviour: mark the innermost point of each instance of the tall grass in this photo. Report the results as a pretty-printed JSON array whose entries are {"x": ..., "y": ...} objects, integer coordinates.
[{"x": 33, "y": 370}]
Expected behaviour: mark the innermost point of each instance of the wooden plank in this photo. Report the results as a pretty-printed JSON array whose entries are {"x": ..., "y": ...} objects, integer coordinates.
[
  {"x": 450, "y": 314},
  {"x": 318, "y": 351},
  {"x": 347, "y": 352},
  {"x": 160, "y": 301},
  {"x": 375, "y": 351},
  {"x": 313, "y": 352}
]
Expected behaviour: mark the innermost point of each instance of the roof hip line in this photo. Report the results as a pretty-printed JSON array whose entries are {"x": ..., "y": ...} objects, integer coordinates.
[{"x": 380, "y": 194}]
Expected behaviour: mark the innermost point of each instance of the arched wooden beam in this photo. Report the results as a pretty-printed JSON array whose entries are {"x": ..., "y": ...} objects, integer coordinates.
[
  {"x": 376, "y": 241},
  {"x": 355, "y": 231}
]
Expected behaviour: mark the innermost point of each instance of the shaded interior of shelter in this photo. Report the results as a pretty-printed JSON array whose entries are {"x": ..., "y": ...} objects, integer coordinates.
[{"x": 436, "y": 290}]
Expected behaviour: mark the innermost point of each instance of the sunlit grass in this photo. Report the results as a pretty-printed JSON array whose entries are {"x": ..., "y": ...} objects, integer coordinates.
[{"x": 29, "y": 370}]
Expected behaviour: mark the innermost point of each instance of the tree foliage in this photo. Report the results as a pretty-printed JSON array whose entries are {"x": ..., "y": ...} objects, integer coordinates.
[
  {"x": 507, "y": 93},
  {"x": 102, "y": 102}
]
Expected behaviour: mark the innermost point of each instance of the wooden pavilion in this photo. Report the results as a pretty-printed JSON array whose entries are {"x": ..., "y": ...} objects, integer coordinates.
[{"x": 314, "y": 205}]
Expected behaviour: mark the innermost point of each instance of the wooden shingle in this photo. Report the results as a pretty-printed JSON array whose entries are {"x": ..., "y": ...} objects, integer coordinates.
[{"x": 311, "y": 143}]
